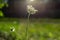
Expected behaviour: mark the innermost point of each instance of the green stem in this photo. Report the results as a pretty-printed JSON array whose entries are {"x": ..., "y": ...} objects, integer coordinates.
[{"x": 27, "y": 27}]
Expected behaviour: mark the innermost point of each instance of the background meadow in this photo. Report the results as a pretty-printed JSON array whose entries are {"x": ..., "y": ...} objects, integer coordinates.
[{"x": 39, "y": 29}]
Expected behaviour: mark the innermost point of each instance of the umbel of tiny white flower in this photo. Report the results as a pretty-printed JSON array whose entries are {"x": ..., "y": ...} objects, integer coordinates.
[
  {"x": 31, "y": 9},
  {"x": 12, "y": 29}
]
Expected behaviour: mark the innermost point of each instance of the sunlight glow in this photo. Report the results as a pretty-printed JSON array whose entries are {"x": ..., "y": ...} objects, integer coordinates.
[{"x": 31, "y": 0}]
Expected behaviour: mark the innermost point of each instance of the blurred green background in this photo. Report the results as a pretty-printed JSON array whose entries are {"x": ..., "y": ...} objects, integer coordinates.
[{"x": 39, "y": 29}]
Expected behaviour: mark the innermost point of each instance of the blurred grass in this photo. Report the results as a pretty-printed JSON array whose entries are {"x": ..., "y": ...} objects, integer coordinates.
[{"x": 39, "y": 29}]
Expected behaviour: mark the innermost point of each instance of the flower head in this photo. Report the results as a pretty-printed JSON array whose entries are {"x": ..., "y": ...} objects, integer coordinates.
[{"x": 31, "y": 9}]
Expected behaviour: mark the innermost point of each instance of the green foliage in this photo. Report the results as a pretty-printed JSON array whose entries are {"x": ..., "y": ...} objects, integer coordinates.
[
  {"x": 3, "y": 2},
  {"x": 7, "y": 36},
  {"x": 5, "y": 32},
  {"x": 1, "y": 5},
  {"x": 1, "y": 14},
  {"x": 38, "y": 29}
]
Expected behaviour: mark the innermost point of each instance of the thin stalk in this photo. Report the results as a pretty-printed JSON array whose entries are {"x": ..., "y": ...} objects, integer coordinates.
[{"x": 27, "y": 27}]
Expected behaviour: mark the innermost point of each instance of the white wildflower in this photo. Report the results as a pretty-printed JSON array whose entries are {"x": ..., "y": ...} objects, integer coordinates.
[{"x": 31, "y": 9}]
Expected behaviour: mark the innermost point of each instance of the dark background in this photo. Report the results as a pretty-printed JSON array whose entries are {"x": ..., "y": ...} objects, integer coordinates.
[{"x": 17, "y": 8}]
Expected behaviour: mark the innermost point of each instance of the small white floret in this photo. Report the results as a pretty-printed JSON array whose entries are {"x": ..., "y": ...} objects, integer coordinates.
[{"x": 12, "y": 29}]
